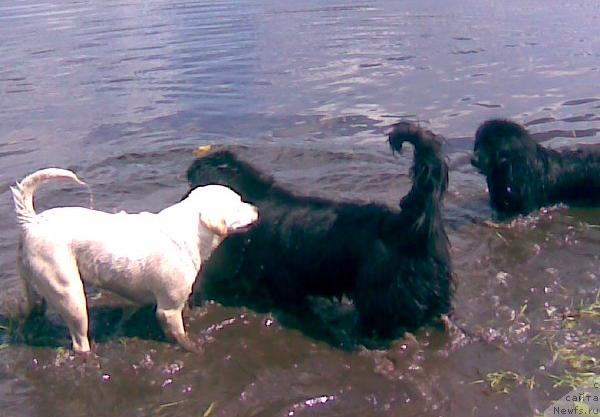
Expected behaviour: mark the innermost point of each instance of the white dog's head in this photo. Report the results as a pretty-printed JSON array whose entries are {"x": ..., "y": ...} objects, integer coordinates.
[{"x": 222, "y": 210}]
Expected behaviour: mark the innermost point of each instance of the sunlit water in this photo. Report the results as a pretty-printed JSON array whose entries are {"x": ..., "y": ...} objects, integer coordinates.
[{"x": 122, "y": 92}]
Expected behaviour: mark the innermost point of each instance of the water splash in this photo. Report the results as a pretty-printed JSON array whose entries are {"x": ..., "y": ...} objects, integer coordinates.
[{"x": 91, "y": 194}]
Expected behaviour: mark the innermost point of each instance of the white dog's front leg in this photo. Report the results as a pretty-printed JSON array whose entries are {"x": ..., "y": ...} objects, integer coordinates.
[{"x": 171, "y": 322}]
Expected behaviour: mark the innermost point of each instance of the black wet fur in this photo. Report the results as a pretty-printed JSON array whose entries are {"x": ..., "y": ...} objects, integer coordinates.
[
  {"x": 393, "y": 264},
  {"x": 523, "y": 176}
]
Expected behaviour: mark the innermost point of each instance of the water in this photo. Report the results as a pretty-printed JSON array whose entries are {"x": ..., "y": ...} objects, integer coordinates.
[{"x": 122, "y": 92}]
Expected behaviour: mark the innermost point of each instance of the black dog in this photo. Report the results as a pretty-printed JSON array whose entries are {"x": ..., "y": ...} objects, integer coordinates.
[
  {"x": 394, "y": 265},
  {"x": 523, "y": 176}
]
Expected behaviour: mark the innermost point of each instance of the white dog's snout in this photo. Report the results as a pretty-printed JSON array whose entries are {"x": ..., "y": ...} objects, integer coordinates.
[
  {"x": 249, "y": 217},
  {"x": 254, "y": 213}
]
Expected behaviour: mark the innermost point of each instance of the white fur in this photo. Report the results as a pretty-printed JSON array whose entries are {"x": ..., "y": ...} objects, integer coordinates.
[{"x": 145, "y": 257}]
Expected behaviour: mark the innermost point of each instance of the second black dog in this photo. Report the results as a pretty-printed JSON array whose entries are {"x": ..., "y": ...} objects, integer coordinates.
[
  {"x": 393, "y": 264},
  {"x": 523, "y": 176}
]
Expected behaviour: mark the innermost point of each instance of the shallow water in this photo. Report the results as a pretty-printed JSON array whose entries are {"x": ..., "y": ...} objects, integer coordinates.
[{"x": 122, "y": 92}]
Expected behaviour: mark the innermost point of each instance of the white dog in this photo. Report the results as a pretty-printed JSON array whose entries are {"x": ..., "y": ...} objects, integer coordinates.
[{"x": 147, "y": 258}]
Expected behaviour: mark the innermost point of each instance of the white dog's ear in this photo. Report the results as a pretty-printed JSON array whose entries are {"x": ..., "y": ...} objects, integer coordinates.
[{"x": 215, "y": 224}]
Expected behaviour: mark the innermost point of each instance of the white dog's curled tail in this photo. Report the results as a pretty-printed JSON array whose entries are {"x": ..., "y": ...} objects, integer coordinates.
[{"x": 24, "y": 189}]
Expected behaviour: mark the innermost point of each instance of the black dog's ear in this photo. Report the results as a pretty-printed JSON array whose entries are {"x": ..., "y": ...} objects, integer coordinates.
[
  {"x": 508, "y": 184},
  {"x": 504, "y": 163},
  {"x": 498, "y": 185}
]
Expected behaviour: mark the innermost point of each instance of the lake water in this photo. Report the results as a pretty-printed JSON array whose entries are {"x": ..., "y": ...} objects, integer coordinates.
[{"x": 123, "y": 91}]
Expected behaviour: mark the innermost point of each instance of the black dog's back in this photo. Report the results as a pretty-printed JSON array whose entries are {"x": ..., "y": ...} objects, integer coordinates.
[{"x": 308, "y": 237}]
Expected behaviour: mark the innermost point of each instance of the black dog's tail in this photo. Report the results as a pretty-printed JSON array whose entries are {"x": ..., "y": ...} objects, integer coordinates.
[
  {"x": 421, "y": 207},
  {"x": 410, "y": 282}
]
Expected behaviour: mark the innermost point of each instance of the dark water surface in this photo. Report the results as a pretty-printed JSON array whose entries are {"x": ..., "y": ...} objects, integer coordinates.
[{"x": 122, "y": 92}]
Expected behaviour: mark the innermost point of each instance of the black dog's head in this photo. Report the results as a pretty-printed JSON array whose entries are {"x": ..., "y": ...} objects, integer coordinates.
[
  {"x": 496, "y": 141},
  {"x": 219, "y": 164},
  {"x": 513, "y": 163}
]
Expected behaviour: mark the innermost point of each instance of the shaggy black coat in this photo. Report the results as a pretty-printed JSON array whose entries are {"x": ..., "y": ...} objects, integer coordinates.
[
  {"x": 393, "y": 264},
  {"x": 523, "y": 176}
]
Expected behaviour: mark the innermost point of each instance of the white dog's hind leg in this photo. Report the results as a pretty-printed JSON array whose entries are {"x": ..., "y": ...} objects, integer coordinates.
[
  {"x": 35, "y": 305},
  {"x": 58, "y": 282},
  {"x": 72, "y": 307}
]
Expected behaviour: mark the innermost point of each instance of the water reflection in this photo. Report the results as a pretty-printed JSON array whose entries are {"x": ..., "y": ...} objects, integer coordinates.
[{"x": 122, "y": 91}]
